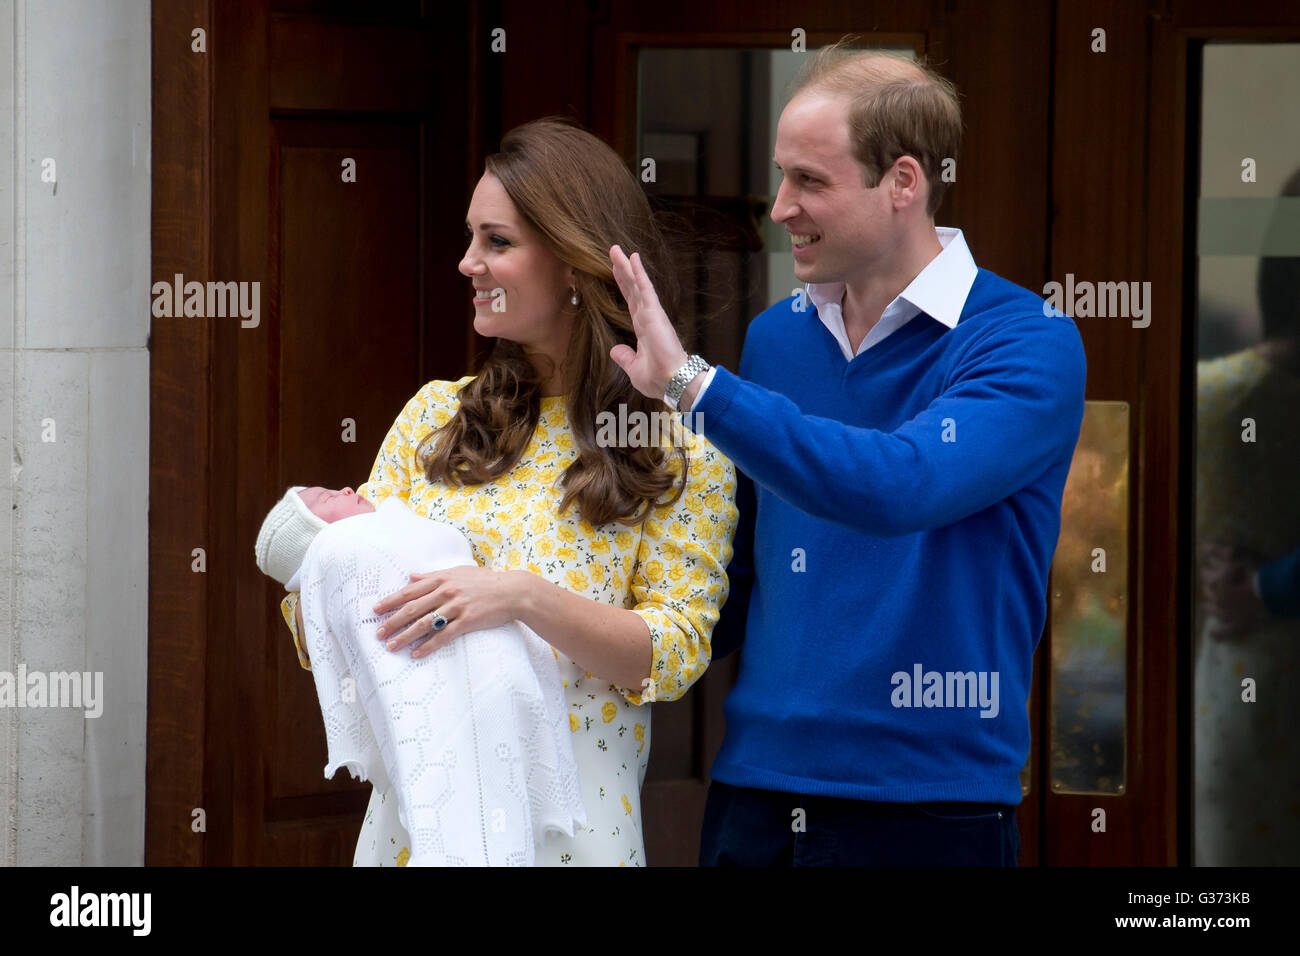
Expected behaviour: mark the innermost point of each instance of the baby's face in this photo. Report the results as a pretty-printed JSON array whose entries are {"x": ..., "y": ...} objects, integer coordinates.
[{"x": 334, "y": 505}]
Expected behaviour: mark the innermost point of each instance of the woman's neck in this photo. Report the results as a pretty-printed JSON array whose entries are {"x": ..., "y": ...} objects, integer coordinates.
[{"x": 552, "y": 385}]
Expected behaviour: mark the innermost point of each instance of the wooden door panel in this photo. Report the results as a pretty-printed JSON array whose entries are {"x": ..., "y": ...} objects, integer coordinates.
[
  {"x": 346, "y": 279},
  {"x": 361, "y": 304}
]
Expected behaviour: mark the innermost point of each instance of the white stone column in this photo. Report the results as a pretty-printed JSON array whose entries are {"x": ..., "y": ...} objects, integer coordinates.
[{"x": 74, "y": 321}]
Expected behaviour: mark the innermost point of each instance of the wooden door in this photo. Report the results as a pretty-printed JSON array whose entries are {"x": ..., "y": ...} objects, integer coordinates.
[
  {"x": 333, "y": 170},
  {"x": 361, "y": 304}
]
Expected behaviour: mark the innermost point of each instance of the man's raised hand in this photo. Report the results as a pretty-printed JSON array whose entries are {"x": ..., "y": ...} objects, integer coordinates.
[{"x": 658, "y": 353}]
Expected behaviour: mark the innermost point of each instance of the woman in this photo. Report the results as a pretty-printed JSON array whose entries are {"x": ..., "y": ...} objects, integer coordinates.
[{"x": 613, "y": 555}]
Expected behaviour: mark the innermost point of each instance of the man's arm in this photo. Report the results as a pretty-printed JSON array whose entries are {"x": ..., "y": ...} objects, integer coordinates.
[{"x": 1014, "y": 405}]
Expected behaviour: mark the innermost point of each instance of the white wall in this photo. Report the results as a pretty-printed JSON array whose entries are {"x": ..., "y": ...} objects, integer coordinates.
[{"x": 74, "y": 316}]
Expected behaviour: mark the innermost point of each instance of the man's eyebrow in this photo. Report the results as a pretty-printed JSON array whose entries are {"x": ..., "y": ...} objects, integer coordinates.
[{"x": 801, "y": 169}]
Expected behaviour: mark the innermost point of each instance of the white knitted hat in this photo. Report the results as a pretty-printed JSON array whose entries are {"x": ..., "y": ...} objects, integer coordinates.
[{"x": 287, "y": 531}]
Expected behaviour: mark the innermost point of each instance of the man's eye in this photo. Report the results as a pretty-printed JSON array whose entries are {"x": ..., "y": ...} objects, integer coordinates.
[{"x": 469, "y": 234}]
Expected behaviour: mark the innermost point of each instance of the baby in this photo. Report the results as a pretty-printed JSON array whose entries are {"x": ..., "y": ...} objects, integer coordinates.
[{"x": 474, "y": 738}]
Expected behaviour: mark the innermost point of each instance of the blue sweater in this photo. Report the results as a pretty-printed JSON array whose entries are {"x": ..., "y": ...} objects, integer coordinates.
[{"x": 905, "y": 507}]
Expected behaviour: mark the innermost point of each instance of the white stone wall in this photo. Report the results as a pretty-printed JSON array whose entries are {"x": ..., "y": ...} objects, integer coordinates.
[{"x": 74, "y": 318}]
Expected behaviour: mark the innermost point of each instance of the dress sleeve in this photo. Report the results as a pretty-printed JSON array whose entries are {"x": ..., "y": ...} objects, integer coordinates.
[
  {"x": 391, "y": 473},
  {"x": 287, "y": 608},
  {"x": 680, "y": 582}
]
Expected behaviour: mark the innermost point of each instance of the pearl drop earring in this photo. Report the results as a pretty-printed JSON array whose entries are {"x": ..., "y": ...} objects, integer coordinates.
[{"x": 574, "y": 298}]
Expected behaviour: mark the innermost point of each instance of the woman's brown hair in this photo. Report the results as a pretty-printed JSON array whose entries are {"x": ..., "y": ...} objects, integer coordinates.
[{"x": 575, "y": 191}]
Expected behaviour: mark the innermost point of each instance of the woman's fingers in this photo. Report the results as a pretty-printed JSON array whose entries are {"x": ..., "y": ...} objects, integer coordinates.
[
  {"x": 413, "y": 601},
  {"x": 430, "y": 638},
  {"x": 420, "y": 627},
  {"x": 441, "y": 638}
]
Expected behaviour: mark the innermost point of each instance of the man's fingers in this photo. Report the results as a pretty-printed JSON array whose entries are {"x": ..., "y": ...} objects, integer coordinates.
[
  {"x": 623, "y": 356},
  {"x": 623, "y": 275},
  {"x": 626, "y": 279},
  {"x": 645, "y": 289}
]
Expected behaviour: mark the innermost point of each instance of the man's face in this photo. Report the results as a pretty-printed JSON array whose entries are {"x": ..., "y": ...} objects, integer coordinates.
[
  {"x": 839, "y": 228},
  {"x": 333, "y": 506}
]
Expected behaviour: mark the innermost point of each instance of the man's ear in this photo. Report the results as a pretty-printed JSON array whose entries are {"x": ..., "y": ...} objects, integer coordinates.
[{"x": 908, "y": 180}]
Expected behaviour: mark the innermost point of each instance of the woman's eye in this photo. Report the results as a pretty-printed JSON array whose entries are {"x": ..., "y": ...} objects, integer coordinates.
[
  {"x": 469, "y": 234},
  {"x": 499, "y": 241}
]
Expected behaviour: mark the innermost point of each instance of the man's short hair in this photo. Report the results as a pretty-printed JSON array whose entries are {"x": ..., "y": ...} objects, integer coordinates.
[{"x": 897, "y": 107}]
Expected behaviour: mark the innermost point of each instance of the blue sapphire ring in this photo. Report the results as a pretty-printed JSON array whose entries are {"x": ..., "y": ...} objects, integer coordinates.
[{"x": 439, "y": 622}]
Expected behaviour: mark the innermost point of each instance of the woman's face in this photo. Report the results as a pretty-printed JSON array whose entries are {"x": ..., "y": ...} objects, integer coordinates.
[{"x": 520, "y": 285}]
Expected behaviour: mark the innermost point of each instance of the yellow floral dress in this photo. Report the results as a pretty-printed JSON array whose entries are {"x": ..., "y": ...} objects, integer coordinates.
[{"x": 670, "y": 571}]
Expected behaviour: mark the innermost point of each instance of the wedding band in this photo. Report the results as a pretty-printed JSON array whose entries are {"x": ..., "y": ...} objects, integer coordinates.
[{"x": 439, "y": 622}]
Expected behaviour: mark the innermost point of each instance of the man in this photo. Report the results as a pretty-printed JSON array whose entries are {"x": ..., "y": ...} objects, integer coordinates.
[{"x": 904, "y": 428}]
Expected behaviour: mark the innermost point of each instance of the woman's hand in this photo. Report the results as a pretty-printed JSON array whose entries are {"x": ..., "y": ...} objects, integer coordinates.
[{"x": 471, "y": 598}]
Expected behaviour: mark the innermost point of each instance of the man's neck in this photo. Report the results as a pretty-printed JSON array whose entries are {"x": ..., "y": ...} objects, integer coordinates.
[{"x": 866, "y": 298}]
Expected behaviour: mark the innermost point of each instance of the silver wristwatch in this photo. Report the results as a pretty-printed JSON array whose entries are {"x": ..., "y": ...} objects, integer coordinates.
[{"x": 683, "y": 377}]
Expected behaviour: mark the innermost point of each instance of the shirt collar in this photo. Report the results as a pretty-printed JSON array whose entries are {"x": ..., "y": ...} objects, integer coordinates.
[{"x": 939, "y": 290}]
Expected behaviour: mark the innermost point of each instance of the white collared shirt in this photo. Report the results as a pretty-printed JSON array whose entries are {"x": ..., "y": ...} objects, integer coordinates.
[{"x": 939, "y": 290}]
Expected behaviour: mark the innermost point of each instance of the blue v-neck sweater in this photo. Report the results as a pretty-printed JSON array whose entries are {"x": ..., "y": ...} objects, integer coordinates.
[{"x": 907, "y": 509}]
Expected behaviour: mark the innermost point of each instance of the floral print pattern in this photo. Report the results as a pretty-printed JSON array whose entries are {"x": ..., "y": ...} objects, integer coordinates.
[{"x": 670, "y": 571}]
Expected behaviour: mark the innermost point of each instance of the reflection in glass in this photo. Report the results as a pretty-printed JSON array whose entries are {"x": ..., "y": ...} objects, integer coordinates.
[
  {"x": 1089, "y": 610},
  {"x": 1246, "y": 645}
]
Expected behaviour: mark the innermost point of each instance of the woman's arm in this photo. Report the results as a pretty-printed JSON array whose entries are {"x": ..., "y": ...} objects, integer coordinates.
[
  {"x": 297, "y": 615},
  {"x": 603, "y": 640},
  {"x": 291, "y": 611},
  {"x": 679, "y": 585},
  {"x": 599, "y": 638},
  {"x": 680, "y": 581}
]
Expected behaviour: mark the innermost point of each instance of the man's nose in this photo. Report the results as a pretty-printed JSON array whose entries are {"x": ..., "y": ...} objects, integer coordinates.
[
  {"x": 782, "y": 208},
  {"x": 347, "y": 491}
]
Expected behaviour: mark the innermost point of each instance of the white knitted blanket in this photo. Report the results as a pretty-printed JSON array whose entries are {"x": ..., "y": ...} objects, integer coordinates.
[{"x": 474, "y": 738}]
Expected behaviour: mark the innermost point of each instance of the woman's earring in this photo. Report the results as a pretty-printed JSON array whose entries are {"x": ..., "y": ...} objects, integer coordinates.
[{"x": 574, "y": 297}]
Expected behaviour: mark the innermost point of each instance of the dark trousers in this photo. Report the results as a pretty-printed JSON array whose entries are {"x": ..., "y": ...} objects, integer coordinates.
[{"x": 748, "y": 827}]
